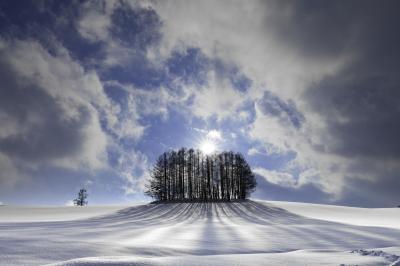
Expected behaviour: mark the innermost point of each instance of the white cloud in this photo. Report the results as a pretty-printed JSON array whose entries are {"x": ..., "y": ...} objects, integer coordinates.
[
  {"x": 67, "y": 117},
  {"x": 216, "y": 99},
  {"x": 95, "y": 20},
  {"x": 77, "y": 94},
  {"x": 214, "y": 134},
  {"x": 269, "y": 129},
  {"x": 277, "y": 178},
  {"x": 133, "y": 167},
  {"x": 253, "y": 151},
  {"x": 140, "y": 103},
  {"x": 249, "y": 42},
  {"x": 9, "y": 174},
  {"x": 95, "y": 24},
  {"x": 316, "y": 168},
  {"x": 69, "y": 203}
]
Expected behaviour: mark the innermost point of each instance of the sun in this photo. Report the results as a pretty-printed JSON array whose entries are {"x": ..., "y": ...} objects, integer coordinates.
[{"x": 207, "y": 147}]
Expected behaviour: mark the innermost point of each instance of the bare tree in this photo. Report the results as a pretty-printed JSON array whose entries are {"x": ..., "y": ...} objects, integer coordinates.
[{"x": 81, "y": 199}]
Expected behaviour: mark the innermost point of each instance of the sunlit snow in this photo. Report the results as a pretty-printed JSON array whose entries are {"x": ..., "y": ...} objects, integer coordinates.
[{"x": 237, "y": 233}]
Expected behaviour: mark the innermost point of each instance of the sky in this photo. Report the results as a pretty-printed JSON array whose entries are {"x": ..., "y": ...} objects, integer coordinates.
[{"x": 92, "y": 92}]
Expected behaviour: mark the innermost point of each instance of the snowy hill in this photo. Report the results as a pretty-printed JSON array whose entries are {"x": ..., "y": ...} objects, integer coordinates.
[
  {"x": 48, "y": 214},
  {"x": 240, "y": 233}
]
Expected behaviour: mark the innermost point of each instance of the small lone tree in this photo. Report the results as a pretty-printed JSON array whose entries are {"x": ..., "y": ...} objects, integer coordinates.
[{"x": 81, "y": 199}]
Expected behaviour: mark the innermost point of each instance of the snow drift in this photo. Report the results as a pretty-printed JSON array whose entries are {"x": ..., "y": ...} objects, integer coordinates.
[{"x": 237, "y": 233}]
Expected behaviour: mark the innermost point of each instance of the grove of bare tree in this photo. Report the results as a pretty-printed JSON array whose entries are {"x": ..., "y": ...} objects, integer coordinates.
[{"x": 191, "y": 175}]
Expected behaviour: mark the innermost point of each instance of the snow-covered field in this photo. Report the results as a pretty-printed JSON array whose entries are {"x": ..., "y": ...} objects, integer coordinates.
[
  {"x": 239, "y": 233},
  {"x": 51, "y": 214}
]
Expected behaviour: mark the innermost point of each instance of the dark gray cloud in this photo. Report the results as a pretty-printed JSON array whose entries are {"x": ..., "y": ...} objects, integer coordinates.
[
  {"x": 381, "y": 190},
  {"x": 361, "y": 102},
  {"x": 44, "y": 110},
  {"x": 272, "y": 105},
  {"x": 43, "y": 132},
  {"x": 362, "y": 114},
  {"x": 326, "y": 29},
  {"x": 351, "y": 112},
  {"x": 307, "y": 193}
]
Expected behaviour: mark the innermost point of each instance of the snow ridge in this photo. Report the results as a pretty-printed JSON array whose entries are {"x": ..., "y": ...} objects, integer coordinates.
[{"x": 391, "y": 258}]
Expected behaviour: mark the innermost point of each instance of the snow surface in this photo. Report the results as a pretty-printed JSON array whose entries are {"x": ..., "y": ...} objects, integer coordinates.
[
  {"x": 51, "y": 213},
  {"x": 238, "y": 233},
  {"x": 384, "y": 217}
]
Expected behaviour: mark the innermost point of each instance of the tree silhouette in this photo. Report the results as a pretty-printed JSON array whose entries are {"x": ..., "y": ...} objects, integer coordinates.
[
  {"x": 191, "y": 175},
  {"x": 81, "y": 199}
]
